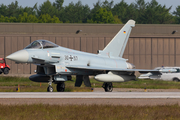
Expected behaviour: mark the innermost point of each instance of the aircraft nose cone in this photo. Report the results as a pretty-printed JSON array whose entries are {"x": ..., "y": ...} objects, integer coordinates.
[{"x": 21, "y": 56}]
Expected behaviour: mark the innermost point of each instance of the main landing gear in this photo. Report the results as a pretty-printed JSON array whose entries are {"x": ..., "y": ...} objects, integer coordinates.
[
  {"x": 108, "y": 87},
  {"x": 60, "y": 86}
]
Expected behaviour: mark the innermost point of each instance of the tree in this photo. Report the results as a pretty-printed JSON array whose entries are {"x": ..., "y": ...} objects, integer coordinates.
[
  {"x": 140, "y": 7},
  {"x": 58, "y": 4},
  {"x": 75, "y": 13},
  {"x": 32, "y": 19},
  {"x": 177, "y": 14},
  {"x": 103, "y": 16},
  {"x": 156, "y": 14},
  {"x": 117, "y": 20},
  {"x": 12, "y": 19},
  {"x": 142, "y": 12},
  {"x": 55, "y": 20},
  {"x": 28, "y": 10},
  {"x": 107, "y": 5},
  {"x": 46, "y": 18},
  {"x": 25, "y": 18},
  {"x": 47, "y": 8},
  {"x": 12, "y": 9},
  {"x": 3, "y": 10},
  {"x": 4, "y": 19},
  {"x": 124, "y": 11},
  {"x": 96, "y": 7}
]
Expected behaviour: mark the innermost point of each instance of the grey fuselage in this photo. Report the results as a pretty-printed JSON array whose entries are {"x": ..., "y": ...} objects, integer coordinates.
[{"x": 61, "y": 57}]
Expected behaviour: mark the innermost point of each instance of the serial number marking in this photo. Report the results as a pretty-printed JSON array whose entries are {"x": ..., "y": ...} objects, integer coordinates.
[{"x": 71, "y": 58}]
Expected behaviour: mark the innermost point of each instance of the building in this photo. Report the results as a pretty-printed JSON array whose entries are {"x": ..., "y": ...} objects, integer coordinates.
[{"x": 149, "y": 46}]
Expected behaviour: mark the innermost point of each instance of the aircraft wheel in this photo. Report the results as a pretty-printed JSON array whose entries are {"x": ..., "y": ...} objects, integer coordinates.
[
  {"x": 50, "y": 89},
  {"x": 60, "y": 87},
  {"x": 108, "y": 87},
  {"x": 6, "y": 70},
  {"x": 175, "y": 79}
]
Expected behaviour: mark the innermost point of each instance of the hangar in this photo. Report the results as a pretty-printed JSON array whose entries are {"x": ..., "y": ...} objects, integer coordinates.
[{"x": 149, "y": 46}]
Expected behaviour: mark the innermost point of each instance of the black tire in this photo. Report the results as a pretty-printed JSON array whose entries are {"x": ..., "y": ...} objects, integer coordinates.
[
  {"x": 176, "y": 80},
  {"x": 60, "y": 87},
  {"x": 108, "y": 87},
  {"x": 50, "y": 89},
  {"x": 6, "y": 71},
  {"x": 0, "y": 72}
]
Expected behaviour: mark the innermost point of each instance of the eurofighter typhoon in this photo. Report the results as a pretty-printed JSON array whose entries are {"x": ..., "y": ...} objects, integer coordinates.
[{"x": 56, "y": 64}]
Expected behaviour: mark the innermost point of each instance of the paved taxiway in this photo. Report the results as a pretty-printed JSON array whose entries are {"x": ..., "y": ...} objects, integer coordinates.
[
  {"x": 91, "y": 98},
  {"x": 90, "y": 95}
]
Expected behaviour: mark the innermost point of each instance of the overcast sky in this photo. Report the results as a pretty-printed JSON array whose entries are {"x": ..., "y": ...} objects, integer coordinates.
[{"x": 168, "y": 3}]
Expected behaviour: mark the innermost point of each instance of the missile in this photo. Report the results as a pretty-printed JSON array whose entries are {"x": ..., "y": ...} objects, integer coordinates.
[
  {"x": 145, "y": 76},
  {"x": 114, "y": 78}
]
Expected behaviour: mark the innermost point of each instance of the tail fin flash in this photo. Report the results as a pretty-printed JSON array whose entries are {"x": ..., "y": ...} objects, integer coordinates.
[{"x": 116, "y": 47}]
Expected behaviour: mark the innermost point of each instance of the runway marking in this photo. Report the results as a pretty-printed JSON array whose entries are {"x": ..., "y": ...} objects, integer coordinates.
[{"x": 90, "y": 95}]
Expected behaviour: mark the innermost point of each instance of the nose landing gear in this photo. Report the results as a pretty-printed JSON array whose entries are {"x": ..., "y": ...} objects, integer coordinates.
[
  {"x": 50, "y": 88},
  {"x": 60, "y": 86}
]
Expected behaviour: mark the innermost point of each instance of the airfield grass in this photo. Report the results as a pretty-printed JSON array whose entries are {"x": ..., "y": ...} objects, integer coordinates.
[
  {"x": 88, "y": 112},
  {"x": 10, "y": 84}
]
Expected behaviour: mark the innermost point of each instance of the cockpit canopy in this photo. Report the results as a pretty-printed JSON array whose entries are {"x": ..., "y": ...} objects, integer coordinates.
[{"x": 41, "y": 44}]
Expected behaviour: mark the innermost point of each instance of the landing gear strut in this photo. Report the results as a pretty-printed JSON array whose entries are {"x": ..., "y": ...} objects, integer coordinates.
[
  {"x": 50, "y": 88},
  {"x": 108, "y": 87},
  {"x": 60, "y": 87}
]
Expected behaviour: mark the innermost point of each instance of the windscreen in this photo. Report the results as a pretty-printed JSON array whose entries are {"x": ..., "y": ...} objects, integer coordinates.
[
  {"x": 34, "y": 45},
  {"x": 47, "y": 44},
  {"x": 38, "y": 44}
]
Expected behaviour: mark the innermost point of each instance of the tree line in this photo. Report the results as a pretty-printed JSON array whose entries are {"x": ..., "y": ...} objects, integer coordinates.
[{"x": 102, "y": 12}]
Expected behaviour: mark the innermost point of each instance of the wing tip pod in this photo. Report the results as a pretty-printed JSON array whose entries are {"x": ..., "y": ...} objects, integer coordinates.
[{"x": 131, "y": 22}]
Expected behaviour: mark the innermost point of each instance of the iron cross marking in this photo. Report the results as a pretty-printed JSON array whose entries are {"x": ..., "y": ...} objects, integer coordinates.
[{"x": 71, "y": 57}]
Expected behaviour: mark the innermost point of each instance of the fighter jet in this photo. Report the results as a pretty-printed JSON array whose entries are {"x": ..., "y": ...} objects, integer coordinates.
[{"x": 56, "y": 64}]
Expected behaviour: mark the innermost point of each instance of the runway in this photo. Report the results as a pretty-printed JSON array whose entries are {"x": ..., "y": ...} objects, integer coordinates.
[
  {"x": 112, "y": 95},
  {"x": 91, "y": 98}
]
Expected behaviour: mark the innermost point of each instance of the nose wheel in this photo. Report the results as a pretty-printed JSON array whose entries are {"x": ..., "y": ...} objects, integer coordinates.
[{"x": 50, "y": 89}]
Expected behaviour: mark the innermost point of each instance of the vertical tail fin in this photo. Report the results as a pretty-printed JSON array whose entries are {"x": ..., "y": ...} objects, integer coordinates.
[{"x": 116, "y": 47}]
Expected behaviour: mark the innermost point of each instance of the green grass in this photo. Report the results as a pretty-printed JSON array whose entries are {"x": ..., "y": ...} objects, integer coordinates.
[
  {"x": 9, "y": 84},
  {"x": 141, "y": 84},
  {"x": 88, "y": 112}
]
